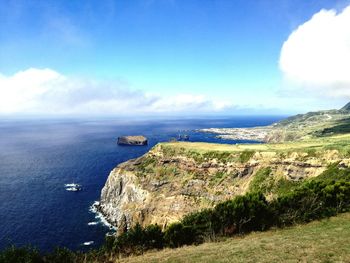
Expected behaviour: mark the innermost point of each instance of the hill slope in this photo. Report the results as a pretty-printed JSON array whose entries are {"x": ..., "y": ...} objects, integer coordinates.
[
  {"x": 322, "y": 241},
  {"x": 299, "y": 127}
]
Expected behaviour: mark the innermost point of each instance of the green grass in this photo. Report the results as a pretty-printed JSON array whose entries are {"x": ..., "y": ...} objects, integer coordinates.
[
  {"x": 245, "y": 156},
  {"x": 262, "y": 181},
  {"x": 267, "y": 184},
  {"x": 243, "y": 152},
  {"x": 321, "y": 241},
  {"x": 217, "y": 178}
]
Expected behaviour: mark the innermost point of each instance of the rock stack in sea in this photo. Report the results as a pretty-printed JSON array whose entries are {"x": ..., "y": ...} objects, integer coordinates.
[{"x": 132, "y": 140}]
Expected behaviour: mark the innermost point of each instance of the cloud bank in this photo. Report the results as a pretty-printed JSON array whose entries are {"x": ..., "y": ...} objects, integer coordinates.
[
  {"x": 316, "y": 56},
  {"x": 45, "y": 91}
]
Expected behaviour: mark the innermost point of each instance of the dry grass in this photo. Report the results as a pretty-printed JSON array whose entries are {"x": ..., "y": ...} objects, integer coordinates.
[{"x": 322, "y": 241}]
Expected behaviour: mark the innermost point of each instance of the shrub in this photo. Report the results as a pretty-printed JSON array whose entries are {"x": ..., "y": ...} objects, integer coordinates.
[
  {"x": 20, "y": 255},
  {"x": 202, "y": 222},
  {"x": 130, "y": 242},
  {"x": 333, "y": 172},
  {"x": 313, "y": 200},
  {"x": 154, "y": 237},
  {"x": 177, "y": 235},
  {"x": 245, "y": 213},
  {"x": 60, "y": 255},
  {"x": 108, "y": 245},
  {"x": 135, "y": 240}
]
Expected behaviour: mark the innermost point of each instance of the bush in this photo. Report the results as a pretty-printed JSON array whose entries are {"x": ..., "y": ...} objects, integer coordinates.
[
  {"x": 60, "y": 255},
  {"x": 135, "y": 240},
  {"x": 154, "y": 237},
  {"x": 20, "y": 255},
  {"x": 202, "y": 223},
  {"x": 130, "y": 242},
  {"x": 333, "y": 172},
  {"x": 246, "y": 213},
  {"x": 313, "y": 200},
  {"x": 177, "y": 235}
]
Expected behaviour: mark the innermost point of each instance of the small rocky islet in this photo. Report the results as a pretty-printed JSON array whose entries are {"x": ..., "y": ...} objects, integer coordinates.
[{"x": 138, "y": 140}]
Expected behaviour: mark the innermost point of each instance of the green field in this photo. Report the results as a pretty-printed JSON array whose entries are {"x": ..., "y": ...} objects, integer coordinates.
[
  {"x": 333, "y": 142},
  {"x": 321, "y": 241}
]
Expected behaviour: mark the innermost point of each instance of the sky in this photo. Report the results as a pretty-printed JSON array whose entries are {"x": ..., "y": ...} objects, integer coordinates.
[{"x": 173, "y": 57}]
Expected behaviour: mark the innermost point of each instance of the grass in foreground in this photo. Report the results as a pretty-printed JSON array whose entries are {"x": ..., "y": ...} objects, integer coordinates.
[{"x": 321, "y": 241}]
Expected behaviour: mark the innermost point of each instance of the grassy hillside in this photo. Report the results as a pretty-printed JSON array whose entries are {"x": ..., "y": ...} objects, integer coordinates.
[
  {"x": 315, "y": 124},
  {"x": 322, "y": 241},
  {"x": 299, "y": 127}
]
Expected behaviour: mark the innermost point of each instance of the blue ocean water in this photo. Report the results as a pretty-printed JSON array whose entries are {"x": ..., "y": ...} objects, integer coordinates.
[{"x": 37, "y": 157}]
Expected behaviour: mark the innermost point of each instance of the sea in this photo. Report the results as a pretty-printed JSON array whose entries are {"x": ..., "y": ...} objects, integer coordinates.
[{"x": 39, "y": 156}]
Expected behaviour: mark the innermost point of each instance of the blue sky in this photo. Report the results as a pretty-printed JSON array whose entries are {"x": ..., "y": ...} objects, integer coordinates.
[{"x": 223, "y": 50}]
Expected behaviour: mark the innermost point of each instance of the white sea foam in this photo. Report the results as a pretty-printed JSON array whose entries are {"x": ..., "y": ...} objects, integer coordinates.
[
  {"x": 71, "y": 185},
  {"x": 109, "y": 234},
  {"x": 88, "y": 243},
  {"x": 71, "y": 189},
  {"x": 100, "y": 217}
]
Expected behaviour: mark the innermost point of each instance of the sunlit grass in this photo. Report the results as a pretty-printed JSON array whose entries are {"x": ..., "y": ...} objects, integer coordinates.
[
  {"x": 333, "y": 142},
  {"x": 321, "y": 241}
]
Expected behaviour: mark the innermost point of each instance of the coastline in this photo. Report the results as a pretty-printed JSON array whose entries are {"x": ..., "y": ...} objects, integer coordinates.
[
  {"x": 94, "y": 208},
  {"x": 259, "y": 134}
]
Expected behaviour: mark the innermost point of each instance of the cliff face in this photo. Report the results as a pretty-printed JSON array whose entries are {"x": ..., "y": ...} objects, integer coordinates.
[{"x": 169, "y": 182}]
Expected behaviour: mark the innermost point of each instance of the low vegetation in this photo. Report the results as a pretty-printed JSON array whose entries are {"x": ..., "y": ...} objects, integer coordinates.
[
  {"x": 245, "y": 156},
  {"x": 313, "y": 146},
  {"x": 262, "y": 181},
  {"x": 319, "y": 241}
]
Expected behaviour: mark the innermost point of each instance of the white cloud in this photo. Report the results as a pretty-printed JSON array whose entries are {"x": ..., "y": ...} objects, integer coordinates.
[
  {"x": 316, "y": 56},
  {"x": 190, "y": 102},
  {"x": 45, "y": 91}
]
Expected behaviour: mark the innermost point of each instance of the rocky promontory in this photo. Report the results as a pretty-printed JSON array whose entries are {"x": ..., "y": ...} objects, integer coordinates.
[{"x": 174, "y": 179}]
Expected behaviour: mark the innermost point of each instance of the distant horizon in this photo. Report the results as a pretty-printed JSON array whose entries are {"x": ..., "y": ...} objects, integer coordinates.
[
  {"x": 134, "y": 117},
  {"x": 145, "y": 116}
]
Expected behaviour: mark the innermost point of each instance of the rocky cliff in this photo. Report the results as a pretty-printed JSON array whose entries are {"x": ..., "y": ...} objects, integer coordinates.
[{"x": 174, "y": 179}]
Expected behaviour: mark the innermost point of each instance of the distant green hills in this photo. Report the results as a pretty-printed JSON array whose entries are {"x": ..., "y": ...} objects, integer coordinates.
[
  {"x": 299, "y": 127},
  {"x": 313, "y": 124}
]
